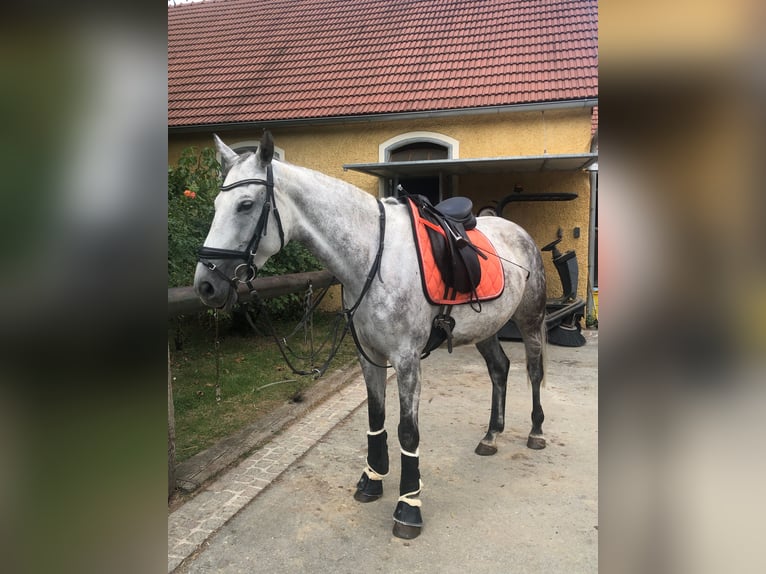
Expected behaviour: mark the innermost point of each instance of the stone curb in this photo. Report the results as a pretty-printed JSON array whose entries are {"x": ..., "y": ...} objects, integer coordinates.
[
  {"x": 206, "y": 465},
  {"x": 191, "y": 524}
]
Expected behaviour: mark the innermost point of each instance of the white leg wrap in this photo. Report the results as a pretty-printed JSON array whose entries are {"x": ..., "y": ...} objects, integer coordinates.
[
  {"x": 369, "y": 471},
  {"x": 408, "y": 498},
  {"x": 372, "y": 474},
  {"x": 412, "y": 454}
]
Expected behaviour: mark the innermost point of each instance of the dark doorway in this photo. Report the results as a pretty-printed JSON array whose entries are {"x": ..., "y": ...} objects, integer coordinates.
[
  {"x": 428, "y": 186},
  {"x": 420, "y": 151}
]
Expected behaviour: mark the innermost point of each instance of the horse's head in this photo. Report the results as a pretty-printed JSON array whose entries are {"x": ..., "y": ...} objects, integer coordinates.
[{"x": 246, "y": 229}]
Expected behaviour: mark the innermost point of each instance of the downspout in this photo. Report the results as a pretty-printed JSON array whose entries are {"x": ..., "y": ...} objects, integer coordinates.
[{"x": 590, "y": 303}]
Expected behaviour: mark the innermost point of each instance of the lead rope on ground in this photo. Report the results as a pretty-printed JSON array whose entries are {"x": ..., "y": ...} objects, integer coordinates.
[
  {"x": 308, "y": 329},
  {"x": 217, "y": 350}
]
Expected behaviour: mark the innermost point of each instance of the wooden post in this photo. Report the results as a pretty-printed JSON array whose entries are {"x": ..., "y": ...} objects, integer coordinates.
[{"x": 171, "y": 434}]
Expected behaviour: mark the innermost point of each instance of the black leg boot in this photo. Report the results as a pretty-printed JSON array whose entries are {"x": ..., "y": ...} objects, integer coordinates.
[
  {"x": 408, "y": 521},
  {"x": 370, "y": 485}
]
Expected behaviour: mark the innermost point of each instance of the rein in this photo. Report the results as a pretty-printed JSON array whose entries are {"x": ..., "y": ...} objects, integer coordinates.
[
  {"x": 281, "y": 342},
  {"x": 347, "y": 314}
]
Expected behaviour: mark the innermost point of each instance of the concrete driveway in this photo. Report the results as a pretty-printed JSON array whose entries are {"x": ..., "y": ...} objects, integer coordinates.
[{"x": 289, "y": 507}]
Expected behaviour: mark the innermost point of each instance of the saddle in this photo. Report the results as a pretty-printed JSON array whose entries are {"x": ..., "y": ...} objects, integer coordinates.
[
  {"x": 454, "y": 260},
  {"x": 456, "y": 257},
  {"x": 453, "y": 255}
]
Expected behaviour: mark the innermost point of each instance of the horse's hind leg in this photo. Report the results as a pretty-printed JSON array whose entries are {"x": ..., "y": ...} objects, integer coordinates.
[
  {"x": 533, "y": 333},
  {"x": 370, "y": 485},
  {"x": 498, "y": 366}
]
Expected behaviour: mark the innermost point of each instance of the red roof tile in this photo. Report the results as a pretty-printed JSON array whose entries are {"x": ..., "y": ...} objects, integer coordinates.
[{"x": 243, "y": 61}]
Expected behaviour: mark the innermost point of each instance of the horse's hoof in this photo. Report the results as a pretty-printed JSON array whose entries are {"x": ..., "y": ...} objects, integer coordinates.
[
  {"x": 408, "y": 522},
  {"x": 483, "y": 449},
  {"x": 367, "y": 489},
  {"x": 361, "y": 496},
  {"x": 406, "y": 531},
  {"x": 536, "y": 441}
]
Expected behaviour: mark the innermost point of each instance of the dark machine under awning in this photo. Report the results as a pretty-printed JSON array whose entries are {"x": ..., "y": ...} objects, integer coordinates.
[{"x": 526, "y": 163}]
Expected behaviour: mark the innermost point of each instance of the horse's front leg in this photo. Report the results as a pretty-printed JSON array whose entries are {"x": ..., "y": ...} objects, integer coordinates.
[
  {"x": 370, "y": 485},
  {"x": 408, "y": 521}
]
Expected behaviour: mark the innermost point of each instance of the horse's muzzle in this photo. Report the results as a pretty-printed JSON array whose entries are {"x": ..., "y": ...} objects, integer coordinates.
[{"x": 214, "y": 291}]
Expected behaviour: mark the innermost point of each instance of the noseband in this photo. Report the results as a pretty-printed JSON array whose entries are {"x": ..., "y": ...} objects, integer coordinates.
[{"x": 246, "y": 272}]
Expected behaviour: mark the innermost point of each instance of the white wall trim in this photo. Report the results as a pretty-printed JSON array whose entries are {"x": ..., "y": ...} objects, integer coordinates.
[{"x": 452, "y": 145}]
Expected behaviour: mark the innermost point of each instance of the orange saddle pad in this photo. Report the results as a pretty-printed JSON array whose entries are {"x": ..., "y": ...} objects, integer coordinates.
[{"x": 492, "y": 278}]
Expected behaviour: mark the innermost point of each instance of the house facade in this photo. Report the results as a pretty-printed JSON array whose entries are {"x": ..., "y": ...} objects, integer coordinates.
[{"x": 487, "y": 99}]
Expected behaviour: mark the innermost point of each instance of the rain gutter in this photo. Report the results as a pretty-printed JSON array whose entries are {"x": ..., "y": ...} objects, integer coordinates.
[{"x": 387, "y": 117}]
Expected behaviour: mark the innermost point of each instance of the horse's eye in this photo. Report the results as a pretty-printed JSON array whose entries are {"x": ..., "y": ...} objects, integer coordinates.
[{"x": 245, "y": 206}]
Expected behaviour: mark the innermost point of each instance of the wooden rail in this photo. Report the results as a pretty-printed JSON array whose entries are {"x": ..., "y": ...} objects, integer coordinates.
[{"x": 184, "y": 301}]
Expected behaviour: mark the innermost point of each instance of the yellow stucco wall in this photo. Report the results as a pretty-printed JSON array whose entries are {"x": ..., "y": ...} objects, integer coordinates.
[{"x": 327, "y": 147}]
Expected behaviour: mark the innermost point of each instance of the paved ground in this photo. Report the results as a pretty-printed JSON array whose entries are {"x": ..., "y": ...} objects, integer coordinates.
[{"x": 289, "y": 506}]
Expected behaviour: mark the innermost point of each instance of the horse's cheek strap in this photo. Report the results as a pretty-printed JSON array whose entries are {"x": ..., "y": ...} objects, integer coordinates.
[{"x": 272, "y": 196}]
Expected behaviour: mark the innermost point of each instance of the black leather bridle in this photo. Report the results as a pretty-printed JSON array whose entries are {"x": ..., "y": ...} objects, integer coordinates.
[{"x": 246, "y": 272}]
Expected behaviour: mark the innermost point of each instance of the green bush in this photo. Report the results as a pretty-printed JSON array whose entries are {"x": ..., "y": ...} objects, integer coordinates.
[{"x": 192, "y": 186}]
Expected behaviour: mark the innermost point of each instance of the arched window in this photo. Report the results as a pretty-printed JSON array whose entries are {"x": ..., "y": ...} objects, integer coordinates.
[
  {"x": 420, "y": 146},
  {"x": 418, "y": 151},
  {"x": 252, "y": 146}
]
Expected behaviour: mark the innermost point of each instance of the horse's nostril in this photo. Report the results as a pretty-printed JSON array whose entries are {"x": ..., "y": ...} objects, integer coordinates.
[{"x": 206, "y": 289}]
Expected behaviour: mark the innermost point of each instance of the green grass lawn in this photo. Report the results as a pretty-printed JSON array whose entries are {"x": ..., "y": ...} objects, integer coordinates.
[{"x": 248, "y": 362}]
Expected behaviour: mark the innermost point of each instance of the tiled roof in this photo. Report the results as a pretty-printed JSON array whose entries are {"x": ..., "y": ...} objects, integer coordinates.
[{"x": 267, "y": 60}]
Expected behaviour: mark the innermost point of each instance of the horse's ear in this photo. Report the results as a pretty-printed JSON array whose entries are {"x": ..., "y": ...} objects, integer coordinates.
[
  {"x": 228, "y": 155},
  {"x": 266, "y": 148}
]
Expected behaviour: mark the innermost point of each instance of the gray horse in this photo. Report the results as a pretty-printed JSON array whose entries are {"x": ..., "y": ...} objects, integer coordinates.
[{"x": 368, "y": 245}]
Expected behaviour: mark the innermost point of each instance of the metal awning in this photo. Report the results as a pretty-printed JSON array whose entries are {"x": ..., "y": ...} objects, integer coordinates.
[{"x": 525, "y": 163}]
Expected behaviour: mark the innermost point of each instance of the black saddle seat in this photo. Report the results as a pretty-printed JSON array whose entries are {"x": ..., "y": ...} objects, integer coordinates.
[{"x": 458, "y": 209}]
